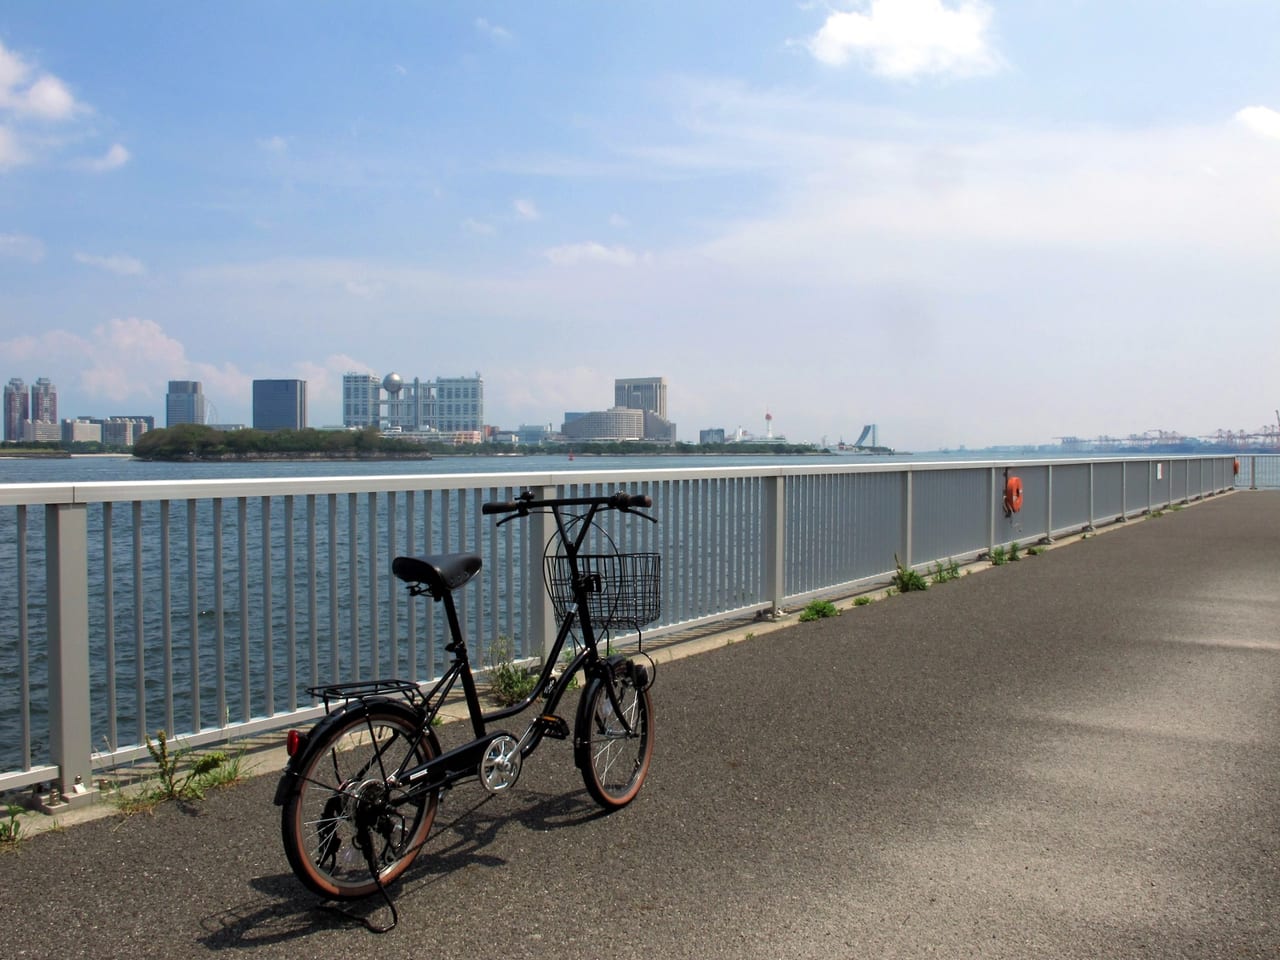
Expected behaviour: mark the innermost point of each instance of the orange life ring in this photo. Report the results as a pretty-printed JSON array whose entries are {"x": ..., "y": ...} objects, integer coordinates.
[
  {"x": 1012, "y": 495},
  {"x": 1235, "y": 467}
]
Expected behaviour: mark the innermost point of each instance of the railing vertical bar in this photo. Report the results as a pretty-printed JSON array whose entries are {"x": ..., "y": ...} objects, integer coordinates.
[
  {"x": 512, "y": 538},
  {"x": 393, "y": 595},
  {"x": 166, "y": 616},
  {"x": 353, "y": 581},
  {"x": 715, "y": 521},
  {"x": 109, "y": 616},
  {"x": 773, "y": 537},
  {"x": 375, "y": 634},
  {"x": 482, "y": 631},
  {"x": 734, "y": 517},
  {"x": 242, "y": 545},
  {"x": 335, "y": 654},
  {"x": 410, "y": 549},
  {"x": 428, "y": 546},
  {"x": 193, "y": 611},
  {"x": 313, "y": 589},
  {"x": 139, "y": 635},
  {"x": 470, "y": 602},
  {"x": 24, "y": 640},
  {"x": 290, "y": 608},
  {"x": 268, "y": 611},
  {"x": 494, "y": 579},
  {"x": 698, "y": 554},
  {"x": 219, "y": 614},
  {"x": 525, "y": 541}
]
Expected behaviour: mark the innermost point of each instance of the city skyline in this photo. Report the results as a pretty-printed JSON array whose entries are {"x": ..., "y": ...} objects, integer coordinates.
[{"x": 969, "y": 222}]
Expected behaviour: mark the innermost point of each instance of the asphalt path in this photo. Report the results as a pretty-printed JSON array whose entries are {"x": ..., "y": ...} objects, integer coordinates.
[{"x": 1073, "y": 756}]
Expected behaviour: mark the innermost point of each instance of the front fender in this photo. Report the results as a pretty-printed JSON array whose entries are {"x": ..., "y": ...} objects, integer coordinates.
[{"x": 318, "y": 736}]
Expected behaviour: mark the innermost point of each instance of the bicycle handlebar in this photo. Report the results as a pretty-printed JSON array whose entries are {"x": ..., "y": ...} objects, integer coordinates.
[{"x": 525, "y": 502}]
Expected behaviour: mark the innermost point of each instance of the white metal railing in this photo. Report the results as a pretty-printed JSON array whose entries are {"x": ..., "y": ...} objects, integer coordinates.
[{"x": 205, "y": 608}]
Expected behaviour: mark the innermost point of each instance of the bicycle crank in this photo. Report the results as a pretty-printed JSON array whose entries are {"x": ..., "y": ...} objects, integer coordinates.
[{"x": 500, "y": 767}]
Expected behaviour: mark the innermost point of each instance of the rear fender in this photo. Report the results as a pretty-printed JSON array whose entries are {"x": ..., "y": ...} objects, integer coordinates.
[{"x": 319, "y": 734}]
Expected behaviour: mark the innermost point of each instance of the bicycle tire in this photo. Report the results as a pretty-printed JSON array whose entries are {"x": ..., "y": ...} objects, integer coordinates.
[
  {"x": 342, "y": 783},
  {"x": 614, "y": 763}
]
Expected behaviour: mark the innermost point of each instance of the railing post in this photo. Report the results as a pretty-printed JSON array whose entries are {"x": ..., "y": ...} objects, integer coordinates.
[
  {"x": 542, "y": 616},
  {"x": 67, "y": 586},
  {"x": 1092, "y": 480},
  {"x": 908, "y": 515},
  {"x": 773, "y": 540},
  {"x": 991, "y": 510},
  {"x": 1253, "y": 473},
  {"x": 1048, "y": 506}
]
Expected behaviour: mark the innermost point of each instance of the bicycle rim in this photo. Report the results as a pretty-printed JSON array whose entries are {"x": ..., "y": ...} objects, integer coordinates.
[
  {"x": 617, "y": 754},
  {"x": 344, "y": 812}
]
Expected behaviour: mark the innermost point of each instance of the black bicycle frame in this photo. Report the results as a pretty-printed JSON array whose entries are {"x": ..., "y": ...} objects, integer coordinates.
[{"x": 464, "y": 761}]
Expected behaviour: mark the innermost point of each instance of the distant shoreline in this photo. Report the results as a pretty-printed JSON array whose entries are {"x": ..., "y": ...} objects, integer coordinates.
[{"x": 272, "y": 456}]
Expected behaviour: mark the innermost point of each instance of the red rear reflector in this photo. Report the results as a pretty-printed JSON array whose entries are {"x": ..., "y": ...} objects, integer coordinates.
[{"x": 293, "y": 742}]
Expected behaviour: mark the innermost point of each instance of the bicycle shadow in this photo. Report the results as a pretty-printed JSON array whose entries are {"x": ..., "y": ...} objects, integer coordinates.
[{"x": 462, "y": 836}]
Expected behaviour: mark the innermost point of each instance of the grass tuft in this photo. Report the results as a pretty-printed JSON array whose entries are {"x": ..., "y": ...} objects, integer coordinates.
[
  {"x": 906, "y": 579},
  {"x": 508, "y": 683},
  {"x": 818, "y": 610}
]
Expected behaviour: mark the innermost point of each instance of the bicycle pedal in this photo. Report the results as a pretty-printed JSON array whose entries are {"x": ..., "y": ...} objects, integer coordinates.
[{"x": 553, "y": 726}]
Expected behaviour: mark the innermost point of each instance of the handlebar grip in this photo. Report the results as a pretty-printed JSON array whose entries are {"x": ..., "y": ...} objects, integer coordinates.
[
  {"x": 631, "y": 500},
  {"x": 500, "y": 506}
]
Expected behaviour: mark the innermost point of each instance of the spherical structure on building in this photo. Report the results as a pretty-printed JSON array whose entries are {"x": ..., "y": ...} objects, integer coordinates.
[{"x": 392, "y": 383}]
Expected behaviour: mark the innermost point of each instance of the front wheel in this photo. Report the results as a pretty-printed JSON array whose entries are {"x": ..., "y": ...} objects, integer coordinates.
[
  {"x": 614, "y": 740},
  {"x": 349, "y": 814}
]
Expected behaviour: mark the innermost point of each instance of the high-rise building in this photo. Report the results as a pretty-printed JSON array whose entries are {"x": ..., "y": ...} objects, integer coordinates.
[
  {"x": 447, "y": 404},
  {"x": 646, "y": 393},
  {"x": 81, "y": 431},
  {"x": 619, "y": 423},
  {"x": 361, "y": 400},
  {"x": 459, "y": 403},
  {"x": 279, "y": 404},
  {"x": 16, "y": 409},
  {"x": 184, "y": 403},
  {"x": 44, "y": 401}
]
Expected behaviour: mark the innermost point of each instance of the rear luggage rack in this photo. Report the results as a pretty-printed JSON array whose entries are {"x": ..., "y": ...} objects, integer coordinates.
[{"x": 362, "y": 689}]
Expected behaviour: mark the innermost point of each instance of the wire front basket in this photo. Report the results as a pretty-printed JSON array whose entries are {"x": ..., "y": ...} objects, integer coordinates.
[{"x": 622, "y": 588}]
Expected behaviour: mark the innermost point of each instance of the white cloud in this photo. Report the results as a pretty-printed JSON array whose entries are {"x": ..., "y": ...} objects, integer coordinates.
[
  {"x": 21, "y": 247},
  {"x": 478, "y": 227},
  {"x": 117, "y": 263},
  {"x": 115, "y": 158},
  {"x": 11, "y": 152},
  {"x": 1263, "y": 121},
  {"x": 526, "y": 209},
  {"x": 363, "y": 288},
  {"x": 123, "y": 360},
  {"x": 903, "y": 39},
  {"x": 592, "y": 252},
  {"x": 493, "y": 31},
  {"x": 28, "y": 93},
  {"x": 275, "y": 144}
]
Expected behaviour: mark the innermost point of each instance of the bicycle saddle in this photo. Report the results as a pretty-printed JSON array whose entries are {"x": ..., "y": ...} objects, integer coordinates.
[{"x": 441, "y": 572}]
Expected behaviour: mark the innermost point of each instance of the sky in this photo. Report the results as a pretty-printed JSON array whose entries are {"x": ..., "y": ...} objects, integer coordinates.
[{"x": 970, "y": 223}]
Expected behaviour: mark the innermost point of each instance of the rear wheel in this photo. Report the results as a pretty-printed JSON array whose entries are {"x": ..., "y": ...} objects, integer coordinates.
[
  {"x": 346, "y": 812},
  {"x": 615, "y": 743}
]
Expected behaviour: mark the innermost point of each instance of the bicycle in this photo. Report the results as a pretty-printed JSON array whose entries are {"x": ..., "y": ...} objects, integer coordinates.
[{"x": 360, "y": 790}]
